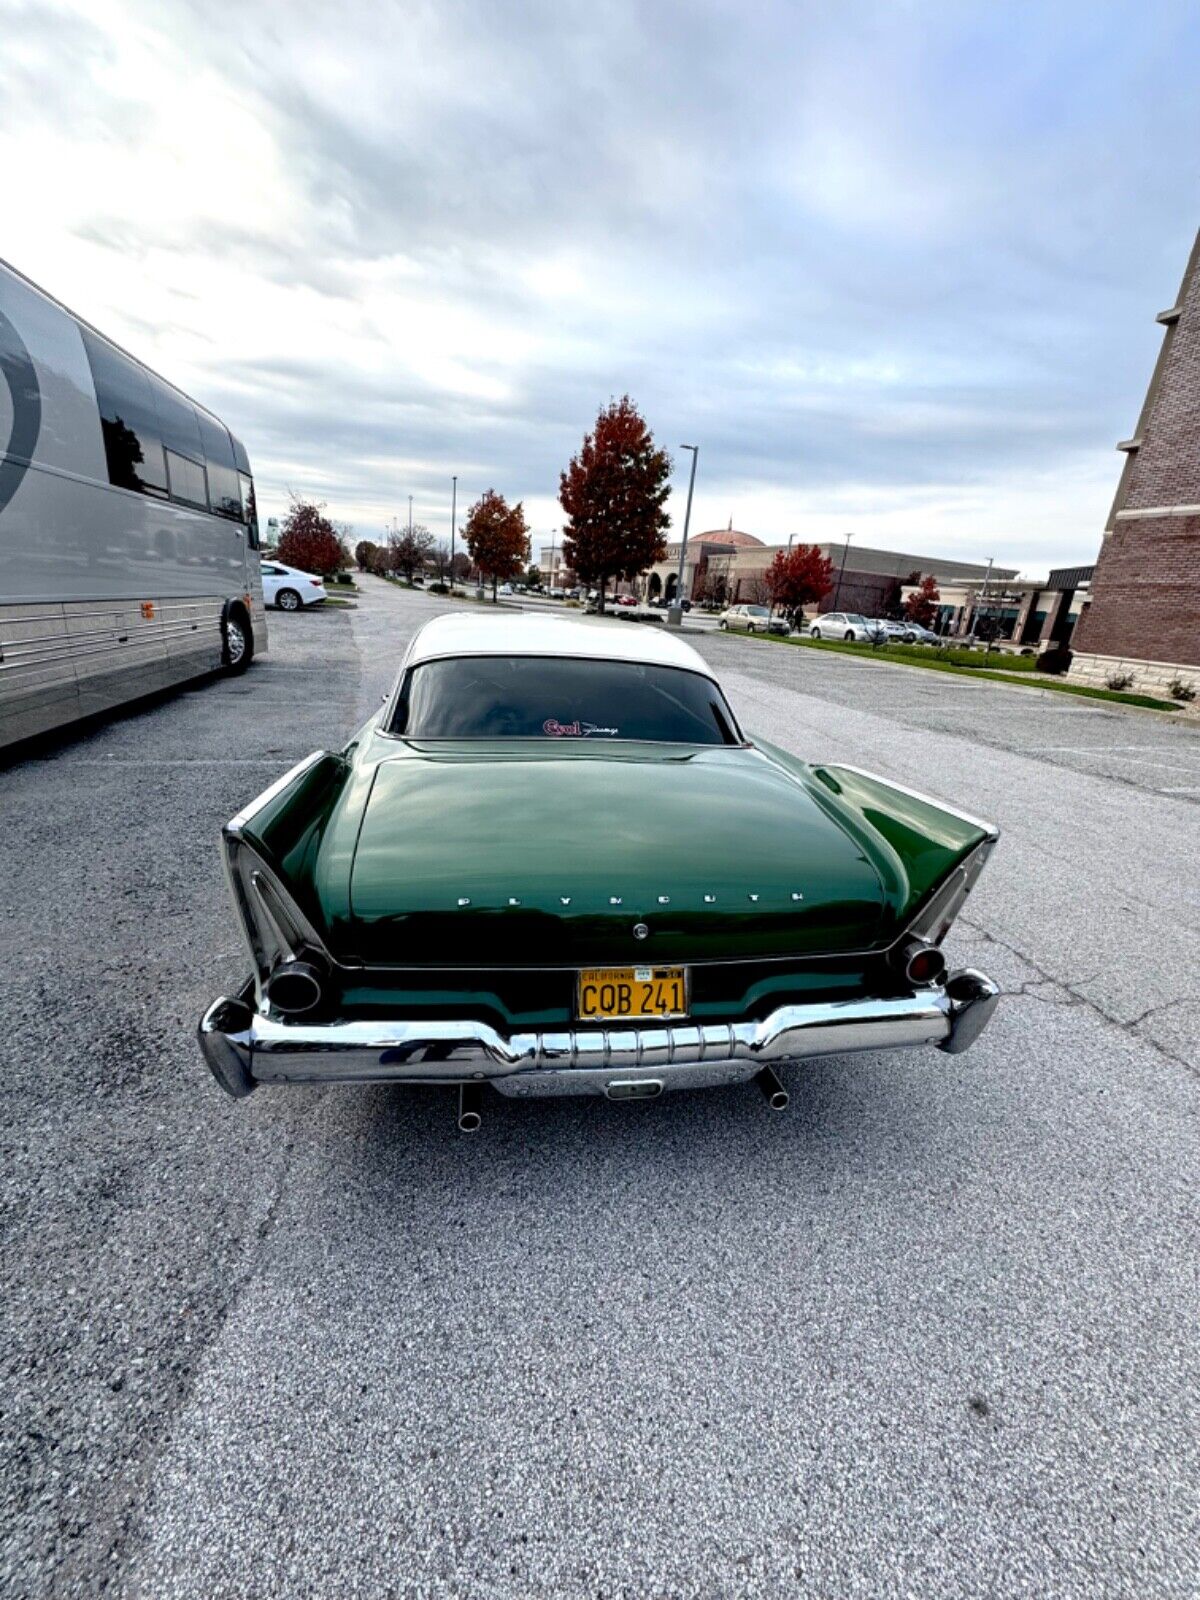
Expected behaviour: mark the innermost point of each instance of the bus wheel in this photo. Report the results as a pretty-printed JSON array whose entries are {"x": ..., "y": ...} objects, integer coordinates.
[{"x": 239, "y": 641}]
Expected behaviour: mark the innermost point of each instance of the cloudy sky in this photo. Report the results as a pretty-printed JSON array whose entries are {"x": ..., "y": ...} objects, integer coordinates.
[{"x": 893, "y": 267}]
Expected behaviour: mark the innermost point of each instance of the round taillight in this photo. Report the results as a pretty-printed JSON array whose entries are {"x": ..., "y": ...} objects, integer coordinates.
[
  {"x": 925, "y": 965},
  {"x": 294, "y": 987}
]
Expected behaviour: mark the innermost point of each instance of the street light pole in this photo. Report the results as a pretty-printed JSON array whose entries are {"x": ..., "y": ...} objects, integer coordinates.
[
  {"x": 453, "y": 520},
  {"x": 981, "y": 603},
  {"x": 838, "y": 591},
  {"x": 675, "y": 612},
  {"x": 410, "y": 515}
]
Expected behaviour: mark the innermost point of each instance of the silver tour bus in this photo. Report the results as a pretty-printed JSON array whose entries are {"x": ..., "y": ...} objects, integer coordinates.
[{"x": 128, "y": 536}]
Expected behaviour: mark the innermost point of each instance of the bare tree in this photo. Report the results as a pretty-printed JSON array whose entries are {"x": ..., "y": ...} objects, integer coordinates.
[{"x": 439, "y": 558}]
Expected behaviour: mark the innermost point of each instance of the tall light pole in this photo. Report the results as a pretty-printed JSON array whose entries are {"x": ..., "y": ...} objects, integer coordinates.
[
  {"x": 675, "y": 612},
  {"x": 981, "y": 603},
  {"x": 410, "y": 514},
  {"x": 453, "y": 521},
  {"x": 841, "y": 570}
]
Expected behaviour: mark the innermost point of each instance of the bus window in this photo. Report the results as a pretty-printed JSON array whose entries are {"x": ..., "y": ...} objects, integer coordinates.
[
  {"x": 249, "y": 508},
  {"x": 128, "y": 419},
  {"x": 176, "y": 420},
  {"x": 224, "y": 495},
  {"x": 187, "y": 481}
]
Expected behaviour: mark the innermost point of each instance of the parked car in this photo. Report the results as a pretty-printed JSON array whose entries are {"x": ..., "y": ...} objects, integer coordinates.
[
  {"x": 886, "y": 631},
  {"x": 505, "y": 589},
  {"x": 290, "y": 589},
  {"x": 753, "y": 619},
  {"x": 627, "y": 922},
  {"x": 919, "y": 635},
  {"x": 841, "y": 625},
  {"x": 627, "y": 600}
]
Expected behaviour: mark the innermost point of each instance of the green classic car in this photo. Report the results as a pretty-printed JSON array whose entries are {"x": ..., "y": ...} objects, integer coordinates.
[{"x": 553, "y": 863}]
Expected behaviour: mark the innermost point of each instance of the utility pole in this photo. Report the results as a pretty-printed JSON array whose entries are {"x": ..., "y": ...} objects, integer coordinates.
[
  {"x": 837, "y": 592},
  {"x": 410, "y": 515},
  {"x": 675, "y": 612},
  {"x": 453, "y": 520}
]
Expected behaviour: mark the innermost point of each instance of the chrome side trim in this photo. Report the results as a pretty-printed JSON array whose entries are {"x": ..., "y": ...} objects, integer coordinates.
[
  {"x": 933, "y": 921},
  {"x": 240, "y": 1043},
  {"x": 273, "y": 926}
]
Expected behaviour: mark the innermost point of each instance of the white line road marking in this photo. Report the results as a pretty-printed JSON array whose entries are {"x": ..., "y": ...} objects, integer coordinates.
[
  {"x": 186, "y": 761},
  {"x": 1133, "y": 761}
]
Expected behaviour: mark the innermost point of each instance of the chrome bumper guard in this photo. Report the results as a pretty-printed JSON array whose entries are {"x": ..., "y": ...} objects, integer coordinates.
[{"x": 245, "y": 1047}]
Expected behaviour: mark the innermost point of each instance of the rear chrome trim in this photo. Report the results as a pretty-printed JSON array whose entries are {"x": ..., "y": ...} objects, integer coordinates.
[{"x": 242, "y": 1044}]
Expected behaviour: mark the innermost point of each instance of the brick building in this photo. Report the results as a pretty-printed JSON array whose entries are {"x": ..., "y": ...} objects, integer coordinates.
[{"x": 1144, "y": 618}]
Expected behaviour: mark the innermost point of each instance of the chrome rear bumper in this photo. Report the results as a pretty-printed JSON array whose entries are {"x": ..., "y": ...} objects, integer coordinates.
[{"x": 245, "y": 1047}]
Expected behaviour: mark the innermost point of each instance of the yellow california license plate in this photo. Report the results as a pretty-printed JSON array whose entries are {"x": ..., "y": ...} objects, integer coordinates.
[{"x": 611, "y": 994}]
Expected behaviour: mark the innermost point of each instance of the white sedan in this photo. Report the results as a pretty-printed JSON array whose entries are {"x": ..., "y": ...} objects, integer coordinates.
[
  {"x": 842, "y": 625},
  {"x": 288, "y": 588}
]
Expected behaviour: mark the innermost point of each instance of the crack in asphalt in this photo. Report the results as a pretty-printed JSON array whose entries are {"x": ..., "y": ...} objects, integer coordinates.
[{"x": 1044, "y": 979}]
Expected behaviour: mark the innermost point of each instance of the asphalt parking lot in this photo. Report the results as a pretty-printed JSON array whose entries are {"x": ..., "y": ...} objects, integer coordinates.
[{"x": 932, "y": 1332}]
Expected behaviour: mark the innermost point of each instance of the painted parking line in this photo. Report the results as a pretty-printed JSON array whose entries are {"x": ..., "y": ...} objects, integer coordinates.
[{"x": 1132, "y": 761}]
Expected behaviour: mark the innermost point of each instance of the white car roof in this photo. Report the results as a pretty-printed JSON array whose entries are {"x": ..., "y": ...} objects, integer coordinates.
[{"x": 462, "y": 634}]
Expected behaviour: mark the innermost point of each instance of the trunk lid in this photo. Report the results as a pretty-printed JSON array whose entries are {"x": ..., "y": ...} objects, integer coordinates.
[{"x": 505, "y": 855}]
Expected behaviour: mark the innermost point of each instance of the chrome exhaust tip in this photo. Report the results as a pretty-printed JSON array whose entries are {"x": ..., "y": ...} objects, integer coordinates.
[
  {"x": 469, "y": 1116},
  {"x": 294, "y": 987},
  {"x": 774, "y": 1093}
]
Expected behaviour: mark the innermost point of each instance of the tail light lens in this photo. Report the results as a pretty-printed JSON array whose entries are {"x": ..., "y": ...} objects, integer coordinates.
[{"x": 922, "y": 964}]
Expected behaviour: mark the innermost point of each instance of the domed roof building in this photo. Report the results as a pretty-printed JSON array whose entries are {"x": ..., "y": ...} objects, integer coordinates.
[{"x": 727, "y": 536}]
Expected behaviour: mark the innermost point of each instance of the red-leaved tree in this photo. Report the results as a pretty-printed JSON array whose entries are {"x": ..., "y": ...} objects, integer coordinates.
[
  {"x": 919, "y": 607},
  {"x": 614, "y": 495},
  {"x": 308, "y": 540},
  {"x": 799, "y": 577},
  {"x": 497, "y": 537}
]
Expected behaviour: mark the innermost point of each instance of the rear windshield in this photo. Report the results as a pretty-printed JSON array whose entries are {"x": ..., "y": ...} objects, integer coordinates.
[{"x": 540, "y": 697}]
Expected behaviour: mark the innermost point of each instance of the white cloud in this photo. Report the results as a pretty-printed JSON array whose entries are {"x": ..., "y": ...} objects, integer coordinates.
[{"x": 866, "y": 257}]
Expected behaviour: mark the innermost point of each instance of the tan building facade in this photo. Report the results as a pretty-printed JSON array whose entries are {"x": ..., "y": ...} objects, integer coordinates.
[{"x": 730, "y": 566}]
